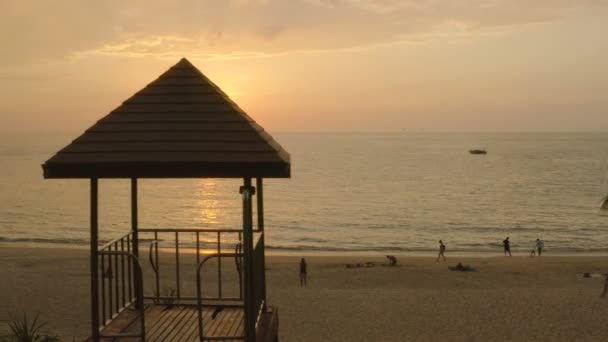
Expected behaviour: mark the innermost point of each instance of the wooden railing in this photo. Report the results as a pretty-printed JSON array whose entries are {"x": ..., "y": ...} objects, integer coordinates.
[
  {"x": 120, "y": 285},
  {"x": 259, "y": 280},
  {"x": 184, "y": 243},
  {"x": 121, "y": 277},
  {"x": 200, "y": 298}
]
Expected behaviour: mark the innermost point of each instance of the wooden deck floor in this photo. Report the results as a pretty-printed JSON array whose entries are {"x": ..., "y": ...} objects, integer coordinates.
[{"x": 179, "y": 323}]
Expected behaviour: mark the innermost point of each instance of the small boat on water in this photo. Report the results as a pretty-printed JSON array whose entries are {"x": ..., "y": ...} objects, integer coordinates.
[{"x": 478, "y": 152}]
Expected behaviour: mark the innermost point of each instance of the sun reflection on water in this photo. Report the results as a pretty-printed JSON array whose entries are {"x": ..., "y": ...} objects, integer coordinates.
[{"x": 209, "y": 210}]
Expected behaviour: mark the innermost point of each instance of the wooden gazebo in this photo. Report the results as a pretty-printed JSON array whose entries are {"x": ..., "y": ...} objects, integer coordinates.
[{"x": 179, "y": 126}]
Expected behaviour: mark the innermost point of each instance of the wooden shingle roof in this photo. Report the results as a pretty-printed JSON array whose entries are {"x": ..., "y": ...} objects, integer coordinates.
[{"x": 179, "y": 126}]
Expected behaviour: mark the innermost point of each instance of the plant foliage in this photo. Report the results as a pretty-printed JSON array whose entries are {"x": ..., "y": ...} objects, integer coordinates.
[{"x": 24, "y": 330}]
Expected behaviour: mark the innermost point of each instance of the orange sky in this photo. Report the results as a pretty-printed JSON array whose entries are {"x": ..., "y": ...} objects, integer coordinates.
[{"x": 308, "y": 65}]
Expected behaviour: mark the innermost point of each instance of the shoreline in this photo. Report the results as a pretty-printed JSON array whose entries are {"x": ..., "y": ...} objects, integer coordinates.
[{"x": 346, "y": 253}]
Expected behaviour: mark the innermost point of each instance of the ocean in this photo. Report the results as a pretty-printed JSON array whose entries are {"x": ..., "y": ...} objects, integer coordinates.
[{"x": 349, "y": 192}]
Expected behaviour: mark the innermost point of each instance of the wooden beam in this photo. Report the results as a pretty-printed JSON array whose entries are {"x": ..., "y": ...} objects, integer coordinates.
[
  {"x": 134, "y": 216},
  {"x": 94, "y": 255},
  {"x": 247, "y": 191},
  {"x": 260, "y": 201},
  {"x": 260, "y": 211},
  {"x": 135, "y": 240}
]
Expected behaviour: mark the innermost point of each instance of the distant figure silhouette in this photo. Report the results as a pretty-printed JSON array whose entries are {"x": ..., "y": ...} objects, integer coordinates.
[
  {"x": 462, "y": 268},
  {"x": 303, "y": 273},
  {"x": 539, "y": 246},
  {"x": 392, "y": 261},
  {"x": 506, "y": 244},
  {"x": 441, "y": 250}
]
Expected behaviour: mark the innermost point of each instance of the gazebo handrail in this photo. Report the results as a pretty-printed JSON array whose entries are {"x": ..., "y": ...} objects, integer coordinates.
[
  {"x": 139, "y": 293},
  {"x": 154, "y": 265},
  {"x": 193, "y": 230},
  {"x": 109, "y": 244},
  {"x": 219, "y": 245},
  {"x": 199, "y": 296}
]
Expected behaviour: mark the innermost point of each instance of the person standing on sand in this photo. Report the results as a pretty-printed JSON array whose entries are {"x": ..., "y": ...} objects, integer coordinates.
[
  {"x": 539, "y": 246},
  {"x": 441, "y": 250},
  {"x": 392, "y": 260},
  {"x": 507, "y": 245},
  {"x": 303, "y": 273}
]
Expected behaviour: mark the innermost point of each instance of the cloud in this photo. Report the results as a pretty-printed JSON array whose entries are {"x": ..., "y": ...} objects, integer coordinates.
[
  {"x": 11, "y": 75},
  {"x": 140, "y": 45},
  {"x": 38, "y": 31}
]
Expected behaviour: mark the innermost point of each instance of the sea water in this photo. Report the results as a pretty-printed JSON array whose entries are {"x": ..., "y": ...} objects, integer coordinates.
[{"x": 397, "y": 191}]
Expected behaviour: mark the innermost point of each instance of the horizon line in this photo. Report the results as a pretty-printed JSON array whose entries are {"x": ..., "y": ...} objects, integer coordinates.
[{"x": 403, "y": 131}]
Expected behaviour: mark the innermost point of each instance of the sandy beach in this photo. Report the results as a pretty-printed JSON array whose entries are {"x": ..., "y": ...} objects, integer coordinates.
[{"x": 508, "y": 299}]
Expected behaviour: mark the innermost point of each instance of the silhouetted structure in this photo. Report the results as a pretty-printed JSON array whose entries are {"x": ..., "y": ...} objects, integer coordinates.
[{"x": 179, "y": 126}]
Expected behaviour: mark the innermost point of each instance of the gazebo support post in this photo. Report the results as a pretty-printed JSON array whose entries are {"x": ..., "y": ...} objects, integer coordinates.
[
  {"x": 260, "y": 198},
  {"x": 247, "y": 191},
  {"x": 135, "y": 236},
  {"x": 260, "y": 211},
  {"x": 94, "y": 263}
]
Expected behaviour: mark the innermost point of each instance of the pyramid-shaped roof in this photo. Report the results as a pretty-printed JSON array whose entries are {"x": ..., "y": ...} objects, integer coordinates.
[{"x": 179, "y": 126}]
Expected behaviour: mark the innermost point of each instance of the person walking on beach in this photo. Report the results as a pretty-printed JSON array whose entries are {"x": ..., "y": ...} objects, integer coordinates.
[
  {"x": 303, "y": 273},
  {"x": 539, "y": 246},
  {"x": 507, "y": 245},
  {"x": 441, "y": 250},
  {"x": 533, "y": 250}
]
